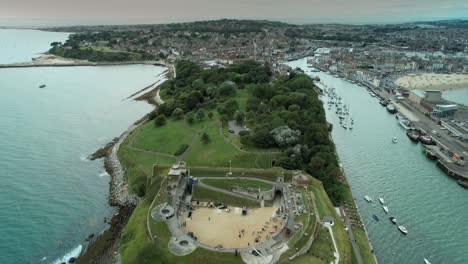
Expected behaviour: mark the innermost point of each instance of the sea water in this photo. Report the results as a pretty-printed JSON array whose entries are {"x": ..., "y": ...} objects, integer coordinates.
[{"x": 51, "y": 196}]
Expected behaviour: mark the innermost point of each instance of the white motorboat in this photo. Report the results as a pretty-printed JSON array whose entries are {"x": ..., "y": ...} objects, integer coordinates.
[
  {"x": 427, "y": 261},
  {"x": 368, "y": 199},
  {"x": 403, "y": 229},
  {"x": 381, "y": 200},
  {"x": 385, "y": 208}
]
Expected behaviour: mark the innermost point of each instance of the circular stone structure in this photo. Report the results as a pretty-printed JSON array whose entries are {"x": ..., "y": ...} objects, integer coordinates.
[
  {"x": 156, "y": 212},
  {"x": 181, "y": 246},
  {"x": 167, "y": 211}
]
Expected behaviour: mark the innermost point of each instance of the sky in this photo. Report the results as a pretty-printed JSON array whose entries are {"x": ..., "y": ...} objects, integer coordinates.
[{"x": 295, "y": 11}]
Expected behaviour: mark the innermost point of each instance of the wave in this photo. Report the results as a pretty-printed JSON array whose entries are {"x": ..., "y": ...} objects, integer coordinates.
[
  {"x": 72, "y": 254},
  {"x": 103, "y": 174}
]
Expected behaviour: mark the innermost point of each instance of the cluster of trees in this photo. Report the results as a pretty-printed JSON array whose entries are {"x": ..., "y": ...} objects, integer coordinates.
[
  {"x": 287, "y": 114},
  {"x": 98, "y": 55},
  {"x": 196, "y": 93}
]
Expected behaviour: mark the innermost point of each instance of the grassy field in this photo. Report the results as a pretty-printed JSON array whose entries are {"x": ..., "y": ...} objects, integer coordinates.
[
  {"x": 321, "y": 250},
  {"x": 325, "y": 207},
  {"x": 241, "y": 97},
  {"x": 165, "y": 139},
  {"x": 203, "y": 194},
  {"x": 139, "y": 165},
  {"x": 217, "y": 153},
  {"x": 227, "y": 184}
]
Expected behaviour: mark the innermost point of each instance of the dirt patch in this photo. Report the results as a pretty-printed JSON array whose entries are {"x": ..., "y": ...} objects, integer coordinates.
[{"x": 237, "y": 230}]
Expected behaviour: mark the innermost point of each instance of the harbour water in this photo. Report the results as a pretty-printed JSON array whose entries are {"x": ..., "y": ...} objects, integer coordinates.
[
  {"x": 51, "y": 196},
  {"x": 430, "y": 204}
]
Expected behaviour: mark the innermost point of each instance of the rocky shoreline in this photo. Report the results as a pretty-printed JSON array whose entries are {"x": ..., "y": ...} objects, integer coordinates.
[{"x": 104, "y": 249}]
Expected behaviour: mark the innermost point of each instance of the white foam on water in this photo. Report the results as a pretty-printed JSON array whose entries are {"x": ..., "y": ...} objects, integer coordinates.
[
  {"x": 103, "y": 174},
  {"x": 72, "y": 254},
  {"x": 83, "y": 158}
]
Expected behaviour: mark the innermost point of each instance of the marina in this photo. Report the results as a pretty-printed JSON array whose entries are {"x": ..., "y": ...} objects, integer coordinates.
[{"x": 417, "y": 192}]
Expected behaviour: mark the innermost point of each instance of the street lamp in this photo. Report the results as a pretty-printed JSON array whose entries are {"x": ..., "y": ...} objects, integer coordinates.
[{"x": 230, "y": 168}]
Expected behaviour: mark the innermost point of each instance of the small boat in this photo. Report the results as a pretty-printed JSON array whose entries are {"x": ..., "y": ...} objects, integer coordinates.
[
  {"x": 403, "y": 229},
  {"x": 42, "y": 86},
  {"x": 385, "y": 208},
  {"x": 463, "y": 183},
  {"x": 413, "y": 135},
  {"x": 375, "y": 217},
  {"x": 405, "y": 123},
  {"x": 427, "y": 261},
  {"x": 391, "y": 109},
  {"x": 372, "y": 94},
  {"x": 393, "y": 219},
  {"x": 383, "y": 102},
  {"x": 426, "y": 139},
  {"x": 368, "y": 199},
  {"x": 394, "y": 140},
  {"x": 381, "y": 200}
]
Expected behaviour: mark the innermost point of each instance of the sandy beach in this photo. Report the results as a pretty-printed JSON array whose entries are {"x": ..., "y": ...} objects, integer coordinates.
[
  {"x": 434, "y": 81},
  {"x": 232, "y": 229}
]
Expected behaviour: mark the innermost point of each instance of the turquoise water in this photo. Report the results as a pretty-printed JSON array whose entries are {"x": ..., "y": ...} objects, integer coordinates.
[
  {"x": 430, "y": 204},
  {"x": 51, "y": 196},
  {"x": 457, "y": 95}
]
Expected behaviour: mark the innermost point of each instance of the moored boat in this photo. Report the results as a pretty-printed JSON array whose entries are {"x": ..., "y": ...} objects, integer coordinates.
[
  {"x": 413, "y": 135},
  {"x": 42, "y": 86},
  {"x": 381, "y": 200},
  {"x": 426, "y": 139},
  {"x": 394, "y": 140},
  {"x": 383, "y": 102},
  {"x": 463, "y": 183},
  {"x": 427, "y": 261},
  {"x": 368, "y": 198},
  {"x": 375, "y": 217},
  {"x": 385, "y": 208},
  {"x": 403, "y": 229},
  {"x": 393, "y": 220},
  {"x": 391, "y": 108}
]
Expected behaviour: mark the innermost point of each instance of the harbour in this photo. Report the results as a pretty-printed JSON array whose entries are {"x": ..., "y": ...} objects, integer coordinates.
[{"x": 416, "y": 191}]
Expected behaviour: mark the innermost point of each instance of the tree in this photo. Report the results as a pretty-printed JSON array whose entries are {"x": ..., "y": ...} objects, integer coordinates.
[
  {"x": 178, "y": 113},
  {"x": 239, "y": 117},
  {"x": 224, "y": 119},
  {"x": 189, "y": 117},
  {"x": 205, "y": 138},
  {"x": 160, "y": 120},
  {"x": 285, "y": 136},
  {"x": 210, "y": 115},
  {"x": 200, "y": 114},
  {"x": 227, "y": 88}
]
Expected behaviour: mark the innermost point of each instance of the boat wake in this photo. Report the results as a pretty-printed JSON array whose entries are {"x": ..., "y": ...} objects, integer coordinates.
[{"x": 72, "y": 254}]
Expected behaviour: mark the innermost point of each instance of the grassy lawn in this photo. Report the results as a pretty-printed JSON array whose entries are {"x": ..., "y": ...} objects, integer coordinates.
[
  {"x": 218, "y": 152},
  {"x": 241, "y": 97},
  {"x": 139, "y": 165},
  {"x": 227, "y": 184},
  {"x": 165, "y": 139},
  {"x": 325, "y": 207},
  {"x": 204, "y": 194},
  {"x": 321, "y": 250}
]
